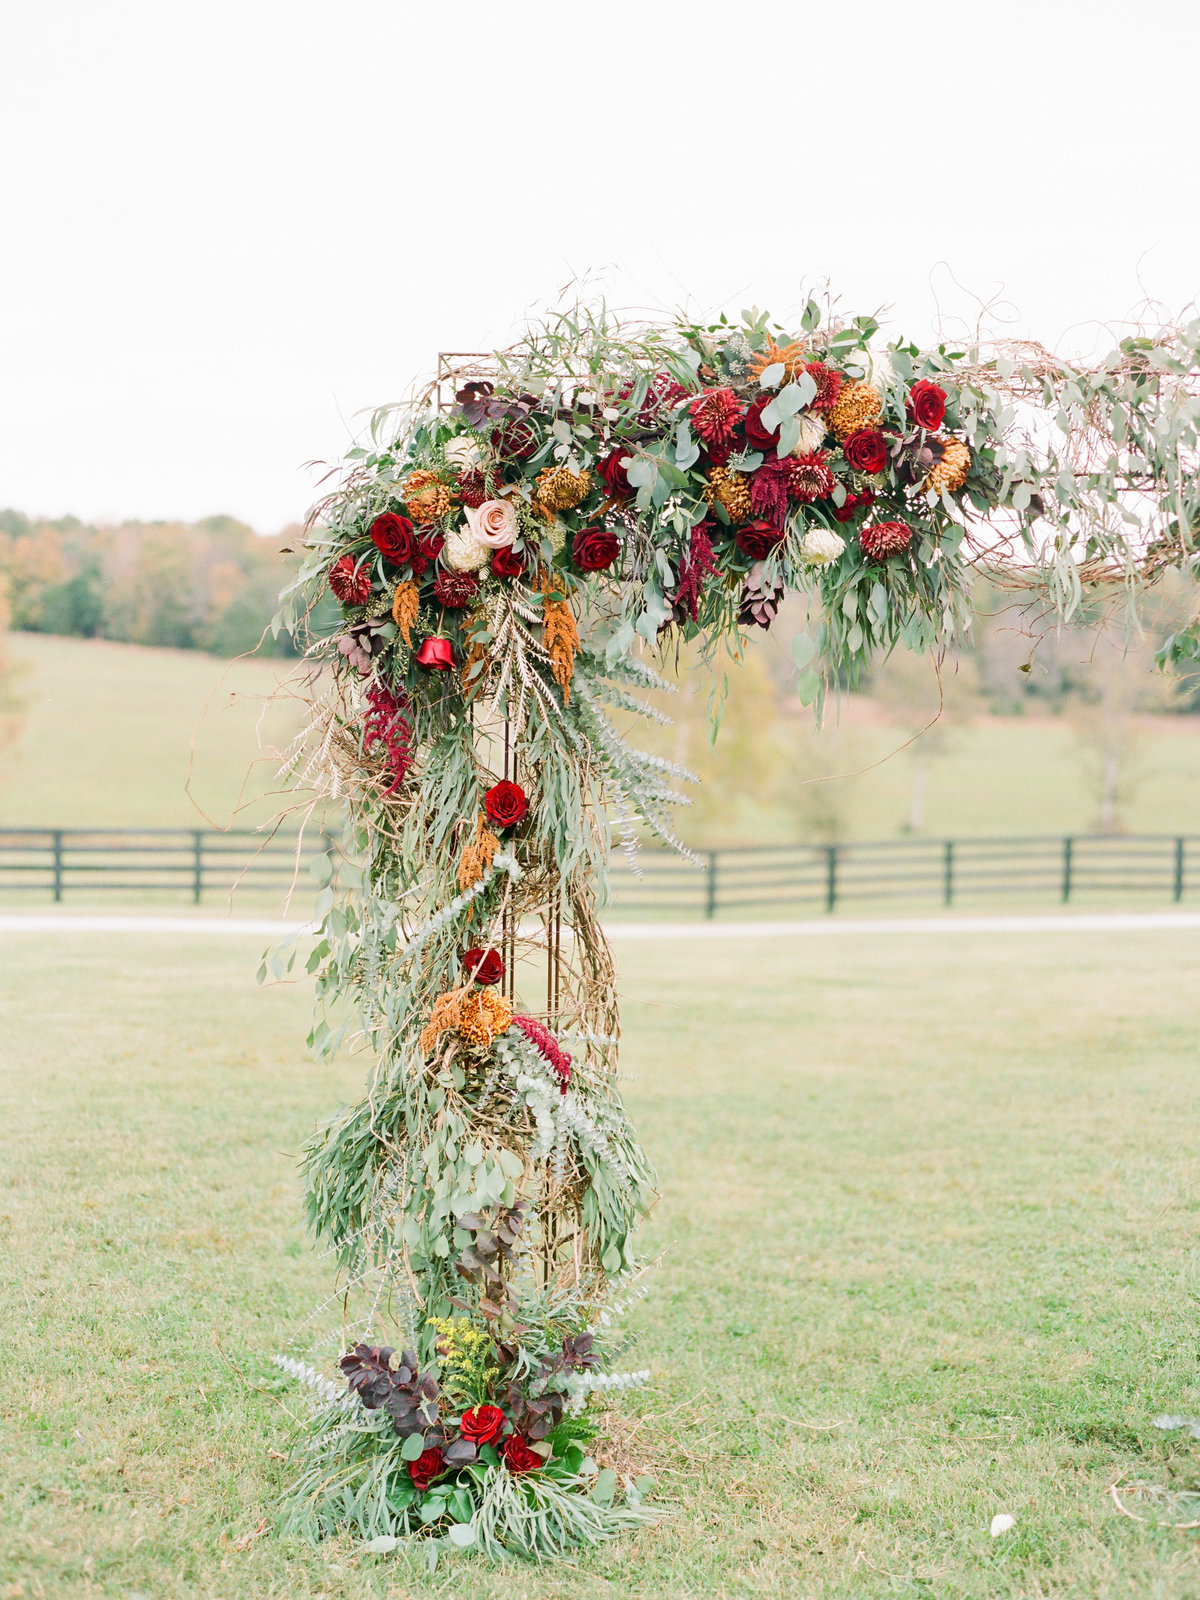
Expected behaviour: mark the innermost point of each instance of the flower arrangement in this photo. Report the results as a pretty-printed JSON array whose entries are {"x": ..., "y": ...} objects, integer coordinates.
[{"x": 502, "y": 565}]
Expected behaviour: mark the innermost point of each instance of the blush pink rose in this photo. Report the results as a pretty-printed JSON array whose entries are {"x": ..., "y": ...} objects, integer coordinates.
[{"x": 494, "y": 523}]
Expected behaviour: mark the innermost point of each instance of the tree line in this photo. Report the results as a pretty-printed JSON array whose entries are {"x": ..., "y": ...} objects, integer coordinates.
[{"x": 208, "y": 585}]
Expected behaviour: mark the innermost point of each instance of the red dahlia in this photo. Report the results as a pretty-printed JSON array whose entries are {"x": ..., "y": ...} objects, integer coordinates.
[
  {"x": 883, "y": 539},
  {"x": 351, "y": 584},
  {"x": 715, "y": 415},
  {"x": 828, "y": 384},
  {"x": 808, "y": 477},
  {"x": 455, "y": 589}
]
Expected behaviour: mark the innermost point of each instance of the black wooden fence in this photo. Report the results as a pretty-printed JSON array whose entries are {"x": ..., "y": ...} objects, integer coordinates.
[{"x": 200, "y": 864}]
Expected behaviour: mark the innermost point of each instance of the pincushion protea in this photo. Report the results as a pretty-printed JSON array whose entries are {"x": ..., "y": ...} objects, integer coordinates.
[{"x": 879, "y": 540}]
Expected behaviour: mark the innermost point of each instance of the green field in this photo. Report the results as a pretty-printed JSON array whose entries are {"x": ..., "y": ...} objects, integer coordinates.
[
  {"x": 930, "y": 1232},
  {"x": 115, "y": 735},
  {"x": 111, "y": 732}
]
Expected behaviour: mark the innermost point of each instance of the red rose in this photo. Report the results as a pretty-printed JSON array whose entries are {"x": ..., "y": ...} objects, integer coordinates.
[
  {"x": 350, "y": 583},
  {"x": 392, "y": 536},
  {"x": 926, "y": 405},
  {"x": 429, "y": 548},
  {"x": 613, "y": 473},
  {"x": 595, "y": 549},
  {"x": 507, "y": 562},
  {"x": 485, "y": 966},
  {"x": 756, "y": 432},
  {"x": 506, "y": 804},
  {"x": 758, "y": 539},
  {"x": 436, "y": 652},
  {"x": 853, "y": 504},
  {"x": 430, "y": 1464},
  {"x": 866, "y": 450},
  {"x": 518, "y": 1457},
  {"x": 483, "y": 1425}
]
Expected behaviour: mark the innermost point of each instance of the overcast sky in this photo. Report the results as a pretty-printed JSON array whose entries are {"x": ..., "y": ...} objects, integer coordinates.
[{"x": 230, "y": 226}]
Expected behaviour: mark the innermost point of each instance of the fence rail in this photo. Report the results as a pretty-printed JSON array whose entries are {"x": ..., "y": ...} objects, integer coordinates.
[{"x": 197, "y": 863}]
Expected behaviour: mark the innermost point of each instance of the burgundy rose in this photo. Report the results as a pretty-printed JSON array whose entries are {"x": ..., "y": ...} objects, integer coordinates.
[
  {"x": 757, "y": 539},
  {"x": 515, "y": 439},
  {"x": 757, "y": 433},
  {"x": 430, "y": 1464},
  {"x": 392, "y": 536},
  {"x": 482, "y": 1425},
  {"x": 507, "y": 562},
  {"x": 613, "y": 473},
  {"x": 350, "y": 583},
  {"x": 595, "y": 549},
  {"x": 866, "y": 450},
  {"x": 518, "y": 1457},
  {"x": 505, "y": 803},
  {"x": 436, "y": 652},
  {"x": 926, "y": 405},
  {"x": 485, "y": 966}
]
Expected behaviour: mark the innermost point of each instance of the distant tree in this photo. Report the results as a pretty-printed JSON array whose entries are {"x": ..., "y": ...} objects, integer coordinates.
[{"x": 208, "y": 585}]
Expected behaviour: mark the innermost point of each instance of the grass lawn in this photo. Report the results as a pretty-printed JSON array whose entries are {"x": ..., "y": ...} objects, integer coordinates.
[{"x": 931, "y": 1214}]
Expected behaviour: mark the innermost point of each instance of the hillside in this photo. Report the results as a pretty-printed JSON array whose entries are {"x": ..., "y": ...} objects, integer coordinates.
[{"x": 109, "y": 731}]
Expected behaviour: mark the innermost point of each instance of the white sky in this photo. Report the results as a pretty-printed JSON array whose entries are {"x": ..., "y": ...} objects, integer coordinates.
[{"x": 231, "y": 225}]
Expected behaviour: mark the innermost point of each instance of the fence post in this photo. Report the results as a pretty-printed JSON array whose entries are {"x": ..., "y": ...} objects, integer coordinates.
[
  {"x": 58, "y": 863},
  {"x": 197, "y": 864},
  {"x": 1178, "y": 885},
  {"x": 948, "y": 875},
  {"x": 710, "y": 888},
  {"x": 1068, "y": 845},
  {"x": 831, "y": 865}
]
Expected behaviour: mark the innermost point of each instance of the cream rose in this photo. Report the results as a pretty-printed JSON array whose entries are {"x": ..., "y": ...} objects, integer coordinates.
[
  {"x": 462, "y": 551},
  {"x": 463, "y": 452},
  {"x": 494, "y": 523}
]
